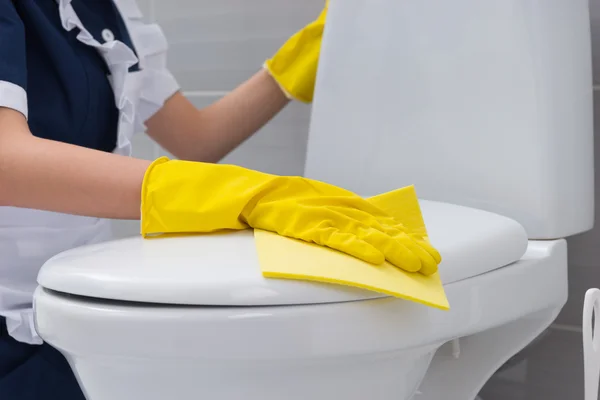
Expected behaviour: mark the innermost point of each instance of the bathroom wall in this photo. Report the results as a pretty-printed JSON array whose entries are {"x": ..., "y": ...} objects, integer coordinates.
[{"x": 216, "y": 44}]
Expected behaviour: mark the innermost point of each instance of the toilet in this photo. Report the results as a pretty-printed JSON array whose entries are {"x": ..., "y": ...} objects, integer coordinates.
[{"x": 486, "y": 107}]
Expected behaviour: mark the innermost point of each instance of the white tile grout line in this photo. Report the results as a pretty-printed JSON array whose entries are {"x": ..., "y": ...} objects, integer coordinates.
[{"x": 566, "y": 328}]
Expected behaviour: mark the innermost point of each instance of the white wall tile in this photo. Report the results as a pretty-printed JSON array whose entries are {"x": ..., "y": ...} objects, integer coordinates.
[
  {"x": 143, "y": 147},
  {"x": 216, "y": 45},
  {"x": 198, "y": 9},
  {"x": 272, "y": 160},
  {"x": 146, "y": 7}
]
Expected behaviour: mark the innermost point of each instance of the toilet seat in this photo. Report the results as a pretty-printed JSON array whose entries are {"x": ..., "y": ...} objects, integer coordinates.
[{"x": 223, "y": 269}]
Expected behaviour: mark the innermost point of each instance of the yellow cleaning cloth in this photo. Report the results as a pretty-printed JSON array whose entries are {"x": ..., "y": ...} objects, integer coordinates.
[{"x": 286, "y": 258}]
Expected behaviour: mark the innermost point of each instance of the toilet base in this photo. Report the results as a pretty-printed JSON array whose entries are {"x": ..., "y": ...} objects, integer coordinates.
[
  {"x": 480, "y": 357},
  {"x": 350, "y": 378},
  {"x": 434, "y": 370}
]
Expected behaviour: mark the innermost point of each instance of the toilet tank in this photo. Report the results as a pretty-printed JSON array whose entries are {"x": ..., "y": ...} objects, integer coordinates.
[{"x": 481, "y": 103}]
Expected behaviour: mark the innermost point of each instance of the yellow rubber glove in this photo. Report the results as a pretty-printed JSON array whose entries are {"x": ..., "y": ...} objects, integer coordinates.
[
  {"x": 294, "y": 66},
  {"x": 191, "y": 197}
]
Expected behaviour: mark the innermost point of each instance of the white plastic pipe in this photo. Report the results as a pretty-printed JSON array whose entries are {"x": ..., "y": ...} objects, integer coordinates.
[{"x": 591, "y": 343}]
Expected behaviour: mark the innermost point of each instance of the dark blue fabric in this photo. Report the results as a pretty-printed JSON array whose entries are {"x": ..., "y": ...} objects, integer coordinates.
[
  {"x": 69, "y": 96},
  {"x": 34, "y": 372}
]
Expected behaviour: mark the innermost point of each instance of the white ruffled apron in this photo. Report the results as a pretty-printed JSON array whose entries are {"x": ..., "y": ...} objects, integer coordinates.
[{"x": 28, "y": 238}]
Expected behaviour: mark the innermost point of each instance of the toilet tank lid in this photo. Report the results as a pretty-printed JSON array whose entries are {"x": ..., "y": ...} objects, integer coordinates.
[{"x": 223, "y": 269}]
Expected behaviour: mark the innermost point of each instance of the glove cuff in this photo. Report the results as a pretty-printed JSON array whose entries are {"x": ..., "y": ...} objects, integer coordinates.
[
  {"x": 267, "y": 67},
  {"x": 145, "y": 207},
  {"x": 279, "y": 79}
]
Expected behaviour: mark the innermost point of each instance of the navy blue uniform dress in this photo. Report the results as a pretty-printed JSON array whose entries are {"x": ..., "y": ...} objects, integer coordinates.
[{"x": 68, "y": 99}]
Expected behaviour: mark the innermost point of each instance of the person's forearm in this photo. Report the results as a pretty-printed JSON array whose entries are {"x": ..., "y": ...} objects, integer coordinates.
[
  {"x": 241, "y": 113},
  {"x": 53, "y": 176},
  {"x": 211, "y": 133}
]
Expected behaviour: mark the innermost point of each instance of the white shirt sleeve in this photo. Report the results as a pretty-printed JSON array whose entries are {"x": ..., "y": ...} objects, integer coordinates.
[
  {"x": 13, "y": 96},
  {"x": 13, "y": 66}
]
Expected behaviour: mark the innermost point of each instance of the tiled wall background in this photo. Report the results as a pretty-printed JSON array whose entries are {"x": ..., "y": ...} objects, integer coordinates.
[{"x": 216, "y": 44}]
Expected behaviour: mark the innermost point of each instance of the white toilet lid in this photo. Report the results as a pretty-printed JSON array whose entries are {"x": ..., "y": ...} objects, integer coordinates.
[{"x": 223, "y": 269}]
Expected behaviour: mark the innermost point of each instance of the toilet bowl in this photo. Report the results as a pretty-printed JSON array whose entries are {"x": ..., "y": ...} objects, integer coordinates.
[
  {"x": 486, "y": 107},
  {"x": 192, "y": 317}
]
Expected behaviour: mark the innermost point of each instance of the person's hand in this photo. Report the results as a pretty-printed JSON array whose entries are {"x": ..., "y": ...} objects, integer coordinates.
[
  {"x": 329, "y": 216},
  {"x": 294, "y": 66},
  {"x": 189, "y": 197}
]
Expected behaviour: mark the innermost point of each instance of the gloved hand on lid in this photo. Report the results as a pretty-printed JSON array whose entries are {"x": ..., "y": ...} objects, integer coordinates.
[{"x": 192, "y": 197}]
